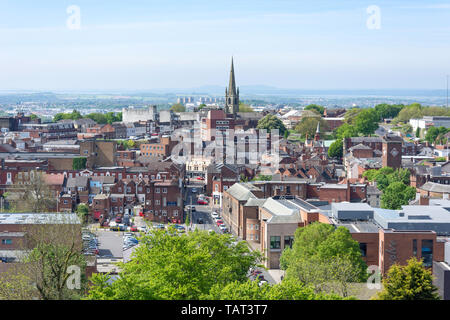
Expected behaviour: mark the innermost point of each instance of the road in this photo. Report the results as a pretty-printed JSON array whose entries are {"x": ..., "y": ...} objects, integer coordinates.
[{"x": 201, "y": 211}]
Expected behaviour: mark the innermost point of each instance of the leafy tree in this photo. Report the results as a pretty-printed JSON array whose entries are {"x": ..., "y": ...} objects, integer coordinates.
[
  {"x": 83, "y": 212},
  {"x": 418, "y": 132},
  {"x": 434, "y": 133},
  {"x": 366, "y": 122},
  {"x": 325, "y": 258},
  {"x": 386, "y": 111},
  {"x": 270, "y": 122},
  {"x": 182, "y": 267},
  {"x": 79, "y": 163},
  {"x": 33, "y": 195},
  {"x": 288, "y": 289},
  {"x": 336, "y": 149},
  {"x": 245, "y": 107},
  {"x": 33, "y": 117},
  {"x": 346, "y": 131},
  {"x": 397, "y": 194},
  {"x": 410, "y": 282},
  {"x": 308, "y": 126},
  {"x": 49, "y": 250},
  {"x": 315, "y": 107},
  {"x": 351, "y": 114},
  {"x": 243, "y": 178},
  {"x": 201, "y": 106},
  {"x": 178, "y": 107},
  {"x": 262, "y": 177}
]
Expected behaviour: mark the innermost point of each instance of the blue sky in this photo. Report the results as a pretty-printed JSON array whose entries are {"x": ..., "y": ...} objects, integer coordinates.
[{"x": 144, "y": 45}]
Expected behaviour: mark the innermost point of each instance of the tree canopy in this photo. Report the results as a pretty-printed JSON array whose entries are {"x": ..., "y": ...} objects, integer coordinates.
[
  {"x": 315, "y": 107},
  {"x": 270, "y": 122},
  {"x": 366, "y": 122},
  {"x": 308, "y": 126},
  {"x": 245, "y": 107},
  {"x": 178, "y": 267},
  {"x": 336, "y": 149},
  {"x": 325, "y": 258},
  {"x": 178, "y": 107},
  {"x": 410, "y": 282}
]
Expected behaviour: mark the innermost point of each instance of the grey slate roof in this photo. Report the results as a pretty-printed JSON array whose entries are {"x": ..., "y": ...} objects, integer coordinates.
[
  {"x": 242, "y": 191},
  {"x": 436, "y": 187}
]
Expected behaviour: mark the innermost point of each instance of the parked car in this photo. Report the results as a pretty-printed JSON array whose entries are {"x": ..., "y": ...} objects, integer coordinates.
[
  {"x": 262, "y": 282},
  {"x": 200, "y": 221},
  {"x": 118, "y": 220},
  {"x": 223, "y": 228},
  {"x": 202, "y": 202},
  {"x": 134, "y": 229},
  {"x": 219, "y": 222},
  {"x": 194, "y": 190},
  {"x": 200, "y": 178},
  {"x": 214, "y": 214}
]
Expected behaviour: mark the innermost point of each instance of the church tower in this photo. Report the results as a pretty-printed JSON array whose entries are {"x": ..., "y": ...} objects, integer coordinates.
[{"x": 232, "y": 94}]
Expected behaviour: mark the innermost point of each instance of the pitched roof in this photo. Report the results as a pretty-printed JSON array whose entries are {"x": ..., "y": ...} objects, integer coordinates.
[{"x": 242, "y": 191}]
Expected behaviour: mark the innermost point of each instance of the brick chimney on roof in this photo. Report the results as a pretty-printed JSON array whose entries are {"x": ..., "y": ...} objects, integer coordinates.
[{"x": 424, "y": 200}]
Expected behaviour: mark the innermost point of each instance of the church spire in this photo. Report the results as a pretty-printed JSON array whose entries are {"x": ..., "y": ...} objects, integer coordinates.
[
  {"x": 232, "y": 84},
  {"x": 231, "y": 94}
]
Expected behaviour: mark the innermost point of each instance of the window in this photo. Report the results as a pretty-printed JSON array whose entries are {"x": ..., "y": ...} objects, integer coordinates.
[
  {"x": 288, "y": 240},
  {"x": 256, "y": 226},
  {"x": 164, "y": 213},
  {"x": 275, "y": 242},
  {"x": 164, "y": 190},
  {"x": 6, "y": 241},
  {"x": 256, "y": 237},
  {"x": 157, "y": 190},
  {"x": 157, "y": 202},
  {"x": 175, "y": 213},
  {"x": 427, "y": 253},
  {"x": 251, "y": 236},
  {"x": 363, "y": 249},
  {"x": 414, "y": 247}
]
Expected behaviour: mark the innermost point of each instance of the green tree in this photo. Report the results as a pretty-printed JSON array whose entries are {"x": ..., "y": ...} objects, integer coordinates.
[
  {"x": 418, "y": 132},
  {"x": 245, "y": 107},
  {"x": 262, "y": 177},
  {"x": 178, "y": 267},
  {"x": 410, "y": 282},
  {"x": 325, "y": 258},
  {"x": 83, "y": 213},
  {"x": 434, "y": 133},
  {"x": 336, "y": 149},
  {"x": 33, "y": 195},
  {"x": 79, "y": 163},
  {"x": 308, "y": 126},
  {"x": 397, "y": 194},
  {"x": 178, "y": 107},
  {"x": 288, "y": 289},
  {"x": 386, "y": 111},
  {"x": 50, "y": 249},
  {"x": 366, "y": 122},
  {"x": 270, "y": 122},
  {"x": 351, "y": 114},
  {"x": 315, "y": 107},
  {"x": 346, "y": 131}
]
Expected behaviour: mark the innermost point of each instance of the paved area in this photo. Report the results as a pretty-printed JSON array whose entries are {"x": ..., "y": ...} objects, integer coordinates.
[{"x": 110, "y": 243}]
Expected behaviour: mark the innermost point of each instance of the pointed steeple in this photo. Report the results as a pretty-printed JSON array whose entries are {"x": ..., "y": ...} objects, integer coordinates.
[
  {"x": 232, "y": 84},
  {"x": 317, "y": 135},
  {"x": 231, "y": 94}
]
